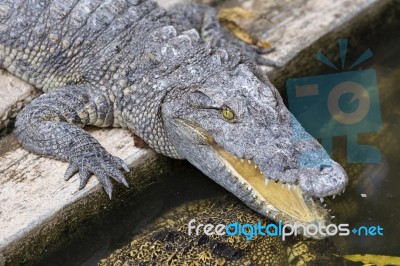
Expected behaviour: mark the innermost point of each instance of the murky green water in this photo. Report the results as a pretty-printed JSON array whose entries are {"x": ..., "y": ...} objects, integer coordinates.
[{"x": 379, "y": 182}]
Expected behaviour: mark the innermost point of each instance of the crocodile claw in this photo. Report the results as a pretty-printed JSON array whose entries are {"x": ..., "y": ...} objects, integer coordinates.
[
  {"x": 84, "y": 177},
  {"x": 70, "y": 172}
]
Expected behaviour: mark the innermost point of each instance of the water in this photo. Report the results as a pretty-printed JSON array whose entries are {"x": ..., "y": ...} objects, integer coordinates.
[{"x": 379, "y": 182}]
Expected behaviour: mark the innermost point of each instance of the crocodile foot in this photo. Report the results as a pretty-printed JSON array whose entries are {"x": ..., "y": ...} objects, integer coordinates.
[{"x": 101, "y": 164}]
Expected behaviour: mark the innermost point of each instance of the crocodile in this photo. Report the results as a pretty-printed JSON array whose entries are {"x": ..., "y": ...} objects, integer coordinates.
[
  {"x": 177, "y": 80},
  {"x": 165, "y": 241}
]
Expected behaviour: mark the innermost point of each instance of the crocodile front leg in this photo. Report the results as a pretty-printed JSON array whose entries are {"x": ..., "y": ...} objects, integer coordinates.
[{"x": 51, "y": 125}]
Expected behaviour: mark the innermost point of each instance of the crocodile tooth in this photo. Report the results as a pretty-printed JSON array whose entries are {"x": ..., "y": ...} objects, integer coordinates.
[
  {"x": 333, "y": 217},
  {"x": 255, "y": 166},
  {"x": 261, "y": 172},
  {"x": 249, "y": 188},
  {"x": 333, "y": 197},
  {"x": 283, "y": 185},
  {"x": 325, "y": 205},
  {"x": 266, "y": 181},
  {"x": 289, "y": 186},
  {"x": 254, "y": 196},
  {"x": 329, "y": 210},
  {"x": 344, "y": 190},
  {"x": 241, "y": 181},
  {"x": 321, "y": 199},
  {"x": 242, "y": 160},
  {"x": 249, "y": 161}
]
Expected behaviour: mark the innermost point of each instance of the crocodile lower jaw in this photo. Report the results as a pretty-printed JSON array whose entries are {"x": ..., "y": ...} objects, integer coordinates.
[{"x": 278, "y": 201}]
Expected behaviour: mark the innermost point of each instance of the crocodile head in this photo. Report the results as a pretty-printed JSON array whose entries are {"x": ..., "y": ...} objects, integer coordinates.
[{"x": 235, "y": 128}]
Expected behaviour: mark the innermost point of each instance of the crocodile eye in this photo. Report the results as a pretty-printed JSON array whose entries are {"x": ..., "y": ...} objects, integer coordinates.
[{"x": 227, "y": 113}]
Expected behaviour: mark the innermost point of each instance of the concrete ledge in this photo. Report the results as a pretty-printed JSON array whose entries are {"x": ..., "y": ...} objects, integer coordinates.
[
  {"x": 36, "y": 205},
  {"x": 358, "y": 21},
  {"x": 28, "y": 179}
]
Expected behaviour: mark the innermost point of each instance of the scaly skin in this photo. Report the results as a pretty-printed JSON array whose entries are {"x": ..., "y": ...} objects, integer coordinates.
[
  {"x": 166, "y": 241},
  {"x": 131, "y": 64}
]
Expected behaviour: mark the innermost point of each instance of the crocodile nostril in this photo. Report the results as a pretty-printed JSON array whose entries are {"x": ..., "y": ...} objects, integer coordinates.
[{"x": 324, "y": 166}]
